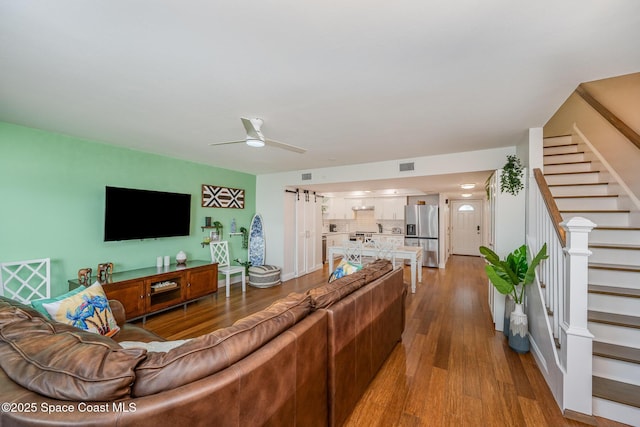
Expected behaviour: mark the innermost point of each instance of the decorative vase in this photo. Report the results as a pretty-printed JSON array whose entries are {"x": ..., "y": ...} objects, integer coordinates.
[
  {"x": 181, "y": 258},
  {"x": 519, "y": 330},
  {"x": 509, "y": 306}
]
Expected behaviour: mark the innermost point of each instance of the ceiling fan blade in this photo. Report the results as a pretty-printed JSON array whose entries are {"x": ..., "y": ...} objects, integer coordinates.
[
  {"x": 225, "y": 143},
  {"x": 252, "y": 127},
  {"x": 284, "y": 146}
]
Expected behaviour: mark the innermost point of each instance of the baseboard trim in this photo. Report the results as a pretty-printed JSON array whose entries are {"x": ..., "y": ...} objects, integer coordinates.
[
  {"x": 580, "y": 417},
  {"x": 537, "y": 354},
  {"x": 236, "y": 278}
]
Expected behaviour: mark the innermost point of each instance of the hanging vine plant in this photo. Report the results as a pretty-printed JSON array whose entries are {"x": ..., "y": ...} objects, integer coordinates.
[
  {"x": 245, "y": 237},
  {"x": 487, "y": 185},
  {"x": 511, "y": 176}
]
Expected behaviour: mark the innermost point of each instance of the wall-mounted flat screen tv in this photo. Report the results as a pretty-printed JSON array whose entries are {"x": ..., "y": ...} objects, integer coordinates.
[{"x": 144, "y": 214}]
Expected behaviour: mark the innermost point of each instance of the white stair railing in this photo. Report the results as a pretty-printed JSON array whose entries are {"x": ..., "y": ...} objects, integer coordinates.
[
  {"x": 551, "y": 273},
  {"x": 564, "y": 276},
  {"x": 577, "y": 348}
]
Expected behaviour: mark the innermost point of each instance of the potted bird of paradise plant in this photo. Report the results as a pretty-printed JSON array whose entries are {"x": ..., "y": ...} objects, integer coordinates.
[{"x": 510, "y": 277}]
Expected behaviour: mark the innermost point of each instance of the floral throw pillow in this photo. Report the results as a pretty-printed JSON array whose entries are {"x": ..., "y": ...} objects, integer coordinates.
[
  {"x": 344, "y": 269},
  {"x": 88, "y": 310}
]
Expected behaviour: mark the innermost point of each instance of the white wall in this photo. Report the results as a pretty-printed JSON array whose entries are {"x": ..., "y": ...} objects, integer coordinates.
[{"x": 270, "y": 188}]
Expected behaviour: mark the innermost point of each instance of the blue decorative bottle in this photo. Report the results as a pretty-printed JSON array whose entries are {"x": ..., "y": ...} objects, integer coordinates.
[{"x": 233, "y": 225}]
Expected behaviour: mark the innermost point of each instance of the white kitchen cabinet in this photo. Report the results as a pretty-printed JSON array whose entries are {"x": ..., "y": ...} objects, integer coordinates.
[
  {"x": 359, "y": 202},
  {"x": 390, "y": 207},
  {"x": 396, "y": 207},
  {"x": 336, "y": 208}
]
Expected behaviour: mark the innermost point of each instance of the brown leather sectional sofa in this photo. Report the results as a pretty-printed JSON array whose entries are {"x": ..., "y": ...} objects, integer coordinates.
[{"x": 305, "y": 360}]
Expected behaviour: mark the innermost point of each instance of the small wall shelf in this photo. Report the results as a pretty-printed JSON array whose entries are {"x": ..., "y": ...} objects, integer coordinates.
[
  {"x": 211, "y": 227},
  {"x": 235, "y": 234}
]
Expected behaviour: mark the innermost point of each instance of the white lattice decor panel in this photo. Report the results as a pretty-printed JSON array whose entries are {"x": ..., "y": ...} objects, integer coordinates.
[{"x": 26, "y": 281}]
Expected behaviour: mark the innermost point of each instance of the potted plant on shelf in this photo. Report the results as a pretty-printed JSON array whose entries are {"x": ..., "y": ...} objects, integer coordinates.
[
  {"x": 510, "y": 277},
  {"x": 217, "y": 234}
]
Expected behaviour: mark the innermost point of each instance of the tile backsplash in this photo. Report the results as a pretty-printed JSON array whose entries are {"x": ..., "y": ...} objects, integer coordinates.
[{"x": 364, "y": 221}]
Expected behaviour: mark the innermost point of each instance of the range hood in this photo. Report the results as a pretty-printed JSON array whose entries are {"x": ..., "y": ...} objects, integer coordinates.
[{"x": 363, "y": 208}]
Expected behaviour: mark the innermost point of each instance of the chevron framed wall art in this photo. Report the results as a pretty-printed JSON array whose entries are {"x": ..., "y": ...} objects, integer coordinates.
[{"x": 222, "y": 197}]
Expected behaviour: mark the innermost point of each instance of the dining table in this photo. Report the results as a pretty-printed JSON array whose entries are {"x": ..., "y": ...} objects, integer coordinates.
[{"x": 412, "y": 253}]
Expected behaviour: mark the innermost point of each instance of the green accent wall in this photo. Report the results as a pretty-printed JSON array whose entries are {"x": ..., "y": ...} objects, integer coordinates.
[{"x": 52, "y": 202}]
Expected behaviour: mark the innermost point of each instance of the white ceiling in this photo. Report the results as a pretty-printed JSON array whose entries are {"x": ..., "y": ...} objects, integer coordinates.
[{"x": 352, "y": 82}]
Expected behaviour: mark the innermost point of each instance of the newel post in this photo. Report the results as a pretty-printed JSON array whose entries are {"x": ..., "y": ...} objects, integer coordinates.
[{"x": 577, "y": 342}]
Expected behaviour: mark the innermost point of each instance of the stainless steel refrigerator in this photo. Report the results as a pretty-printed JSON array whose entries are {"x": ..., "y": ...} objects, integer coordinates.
[{"x": 421, "y": 228}]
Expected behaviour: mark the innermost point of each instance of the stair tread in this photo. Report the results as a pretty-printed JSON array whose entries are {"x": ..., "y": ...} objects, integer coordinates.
[
  {"x": 568, "y": 173},
  {"x": 555, "y": 159},
  {"x": 614, "y": 246},
  {"x": 617, "y": 228},
  {"x": 597, "y": 210},
  {"x": 567, "y": 163},
  {"x": 618, "y": 352},
  {"x": 627, "y": 394},
  {"x": 558, "y": 136},
  {"x": 586, "y": 197},
  {"x": 547, "y": 143},
  {"x": 614, "y": 290},
  {"x": 618, "y": 267},
  {"x": 613, "y": 319},
  {"x": 577, "y": 184},
  {"x": 563, "y": 154}
]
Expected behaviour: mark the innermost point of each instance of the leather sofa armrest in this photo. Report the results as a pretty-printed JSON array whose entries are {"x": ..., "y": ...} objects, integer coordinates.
[{"x": 118, "y": 311}]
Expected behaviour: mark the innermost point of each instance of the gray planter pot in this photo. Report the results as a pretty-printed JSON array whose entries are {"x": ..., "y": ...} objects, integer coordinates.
[
  {"x": 519, "y": 330},
  {"x": 509, "y": 306}
]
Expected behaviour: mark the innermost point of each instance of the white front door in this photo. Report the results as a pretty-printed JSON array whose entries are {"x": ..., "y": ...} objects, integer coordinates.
[{"x": 466, "y": 221}]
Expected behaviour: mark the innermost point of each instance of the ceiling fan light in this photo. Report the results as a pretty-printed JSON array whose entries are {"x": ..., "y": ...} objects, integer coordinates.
[{"x": 252, "y": 142}]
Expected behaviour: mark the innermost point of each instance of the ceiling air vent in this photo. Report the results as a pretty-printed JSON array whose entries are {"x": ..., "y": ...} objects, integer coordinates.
[
  {"x": 404, "y": 167},
  {"x": 306, "y": 176}
]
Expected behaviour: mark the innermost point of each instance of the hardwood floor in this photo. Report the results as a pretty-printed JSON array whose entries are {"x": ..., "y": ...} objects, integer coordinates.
[{"x": 451, "y": 367}]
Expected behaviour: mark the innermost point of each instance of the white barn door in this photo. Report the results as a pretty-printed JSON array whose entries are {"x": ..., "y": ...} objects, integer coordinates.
[{"x": 308, "y": 237}]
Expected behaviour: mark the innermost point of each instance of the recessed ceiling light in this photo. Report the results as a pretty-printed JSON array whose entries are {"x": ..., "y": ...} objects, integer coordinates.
[
  {"x": 467, "y": 186},
  {"x": 466, "y": 195}
]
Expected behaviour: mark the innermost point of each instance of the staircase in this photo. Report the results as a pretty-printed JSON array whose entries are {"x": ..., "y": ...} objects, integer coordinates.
[{"x": 582, "y": 187}]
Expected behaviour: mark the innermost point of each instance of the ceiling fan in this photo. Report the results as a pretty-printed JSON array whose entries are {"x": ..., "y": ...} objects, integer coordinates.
[{"x": 255, "y": 138}]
